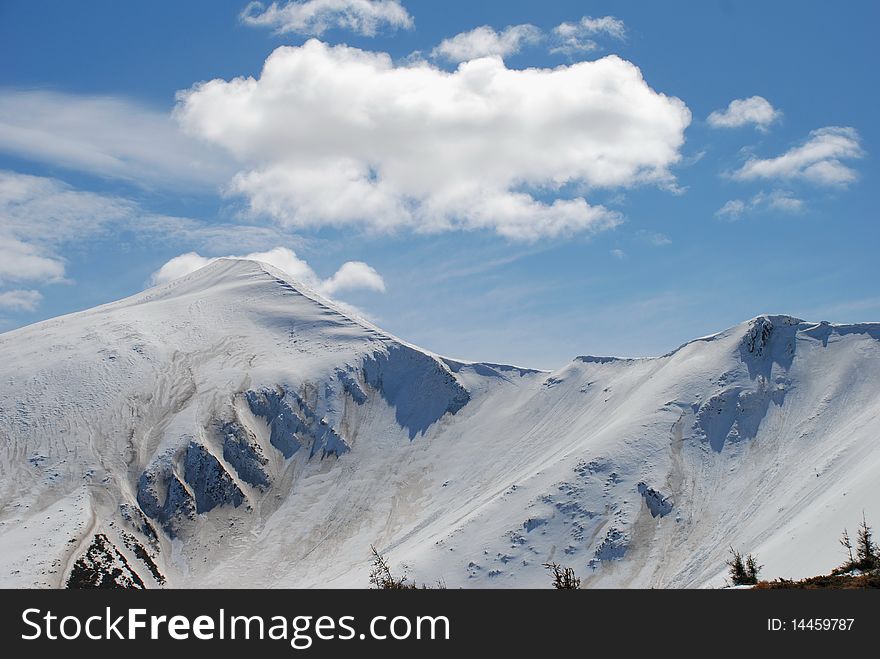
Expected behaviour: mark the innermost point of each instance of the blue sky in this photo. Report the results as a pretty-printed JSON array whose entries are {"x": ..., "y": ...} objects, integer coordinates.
[{"x": 560, "y": 203}]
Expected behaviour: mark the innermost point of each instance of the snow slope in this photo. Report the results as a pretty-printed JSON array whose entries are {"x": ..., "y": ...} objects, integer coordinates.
[{"x": 233, "y": 428}]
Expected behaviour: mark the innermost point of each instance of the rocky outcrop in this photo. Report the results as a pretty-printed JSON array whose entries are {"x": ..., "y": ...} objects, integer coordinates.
[
  {"x": 658, "y": 505},
  {"x": 418, "y": 386},
  {"x": 293, "y": 424},
  {"x": 162, "y": 497},
  {"x": 210, "y": 482},
  {"x": 244, "y": 455}
]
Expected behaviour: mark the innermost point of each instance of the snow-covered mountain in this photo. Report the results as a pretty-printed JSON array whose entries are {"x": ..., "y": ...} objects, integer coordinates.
[{"x": 233, "y": 428}]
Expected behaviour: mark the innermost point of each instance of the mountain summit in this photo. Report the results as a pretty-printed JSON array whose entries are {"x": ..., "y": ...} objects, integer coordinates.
[{"x": 234, "y": 428}]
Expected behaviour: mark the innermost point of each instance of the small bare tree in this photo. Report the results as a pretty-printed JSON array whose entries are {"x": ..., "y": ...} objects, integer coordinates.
[
  {"x": 563, "y": 577},
  {"x": 846, "y": 543},
  {"x": 381, "y": 576}
]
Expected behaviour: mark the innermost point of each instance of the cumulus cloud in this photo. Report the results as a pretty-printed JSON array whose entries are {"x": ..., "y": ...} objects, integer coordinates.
[
  {"x": 779, "y": 200},
  {"x": 618, "y": 254},
  {"x": 337, "y": 136},
  {"x": 314, "y": 17},
  {"x": 486, "y": 42},
  {"x": 756, "y": 110},
  {"x": 179, "y": 266},
  {"x": 106, "y": 136},
  {"x": 352, "y": 275},
  {"x": 818, "y": 160},
  {"x": 580, "y": 37},
  {"x": 20, "y": 300}
]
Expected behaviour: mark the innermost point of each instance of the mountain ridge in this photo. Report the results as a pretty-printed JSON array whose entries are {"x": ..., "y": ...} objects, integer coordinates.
[{"x": 235, "y": 428}]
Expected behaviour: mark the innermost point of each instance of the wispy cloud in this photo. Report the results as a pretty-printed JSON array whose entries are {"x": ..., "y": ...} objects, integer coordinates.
[
  {"x": 654, "y": 238},
  {"x": 580, "y": 37},
  {"x": 20, "y": 300},
  {"x": 314, "y": 17},
  {"x": 40, "y": 217},
  {"x": 733, "y": 208},
  {"x": 780, "y": 200},
  {"x": 216, "y": 237},
  {"x": 109, "y": 137}
]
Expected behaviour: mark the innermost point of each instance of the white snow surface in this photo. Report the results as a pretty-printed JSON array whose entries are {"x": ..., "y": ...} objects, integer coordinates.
[{"x": 267, "y": 438}]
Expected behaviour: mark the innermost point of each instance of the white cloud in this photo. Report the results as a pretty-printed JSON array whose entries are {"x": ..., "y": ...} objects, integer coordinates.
[
  {"x": 486, "y": 42},
  {"x": 214, "y": 237},
  {"x": 655, "y": 238},
  {"x": 352, "y": 275},
  {"x": 314, "y": 17},
  {"x": 48, "y": 210},
  {"x": 779, "y": 200},
  {"x": 40, "y": 216},
  {"x": 37, "y": 215},
  {"x": 818, "y": 160},
  {"x": 337, "y": 136},
  {"x": 732, "y": 209},
  {"x": 580, "y": 37},
  {"x": 618, "y": 254},
  {"x": 179, "y": 266},
  {"x": 20, "y": 300},
  {"x": 281, "y": 257},
  {"x": 106, "y": 136},
  {"x": 756, "y": 110},
  {"x": 20, "y": 261}
]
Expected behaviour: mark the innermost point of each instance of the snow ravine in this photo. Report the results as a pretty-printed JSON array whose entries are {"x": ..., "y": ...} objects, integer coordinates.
[{"x": 233, "y": 428}]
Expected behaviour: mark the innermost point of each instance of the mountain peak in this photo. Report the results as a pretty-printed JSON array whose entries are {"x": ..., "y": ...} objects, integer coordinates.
[
  {"x": 246, "y": 281},
  {"x": 777, "y": 319},
  {"x": 226, "y": 271}
]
